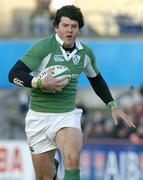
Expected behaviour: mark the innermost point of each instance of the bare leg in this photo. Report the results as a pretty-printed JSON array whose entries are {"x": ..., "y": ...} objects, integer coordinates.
[
  {"x": 69, "y": 142},
  {"x": 43, "y": 165}
]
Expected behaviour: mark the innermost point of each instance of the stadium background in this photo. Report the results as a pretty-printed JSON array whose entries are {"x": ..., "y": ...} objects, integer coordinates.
[{"x": 114, "y": 31}]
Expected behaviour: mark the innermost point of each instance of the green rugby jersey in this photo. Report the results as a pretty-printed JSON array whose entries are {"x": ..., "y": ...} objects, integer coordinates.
[{"x": 48, "y": 52}]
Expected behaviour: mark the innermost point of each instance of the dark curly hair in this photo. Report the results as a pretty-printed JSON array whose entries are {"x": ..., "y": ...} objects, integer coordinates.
[{"x": 71, "y": 12}]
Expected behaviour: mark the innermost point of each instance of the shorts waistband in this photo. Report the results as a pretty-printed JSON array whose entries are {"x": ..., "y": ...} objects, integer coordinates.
[{"x": 49, "y": 113}]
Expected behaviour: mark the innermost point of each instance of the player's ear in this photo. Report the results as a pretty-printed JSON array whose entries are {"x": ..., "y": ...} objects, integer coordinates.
[
  {"x": 79, "y": 32},
  {"x": 56, "y": 29}
]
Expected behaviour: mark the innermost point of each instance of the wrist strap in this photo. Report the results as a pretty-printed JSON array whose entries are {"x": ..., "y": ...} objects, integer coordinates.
[
  {"x": 37, "y": 83},
  {"x": 112, "y": 104}
]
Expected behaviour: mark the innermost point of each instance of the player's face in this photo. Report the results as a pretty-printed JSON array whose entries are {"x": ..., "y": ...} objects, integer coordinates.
[{"x": 68, "y": 30}]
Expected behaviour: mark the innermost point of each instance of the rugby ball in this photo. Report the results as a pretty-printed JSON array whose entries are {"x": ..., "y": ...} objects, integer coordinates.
[{"x": 58, "y": 71}]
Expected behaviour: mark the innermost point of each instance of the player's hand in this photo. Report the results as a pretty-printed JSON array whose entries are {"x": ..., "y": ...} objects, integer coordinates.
[
  {"x": 118, "y": 114},
  {"x": 53, "y": 84}
]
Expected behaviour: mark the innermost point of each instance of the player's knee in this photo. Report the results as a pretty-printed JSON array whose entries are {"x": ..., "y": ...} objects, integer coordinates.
[{"x": 72, "y": 159}]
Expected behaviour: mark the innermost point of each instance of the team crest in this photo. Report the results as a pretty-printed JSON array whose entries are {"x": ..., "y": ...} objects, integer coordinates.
[
  {"x": 58, "y": 58},
  {"x": 76, "y": 59}
]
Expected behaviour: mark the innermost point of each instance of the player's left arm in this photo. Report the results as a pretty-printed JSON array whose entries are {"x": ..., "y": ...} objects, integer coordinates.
[{"x": 102, "y": 90}]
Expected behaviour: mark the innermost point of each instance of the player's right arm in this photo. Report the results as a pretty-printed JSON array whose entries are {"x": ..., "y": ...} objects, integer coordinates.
[
  {"x": 20, "y": 72},
  {"x": 20, "y": 75}
]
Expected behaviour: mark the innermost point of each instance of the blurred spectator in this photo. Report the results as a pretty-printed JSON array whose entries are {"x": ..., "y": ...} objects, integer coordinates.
[
  {"x": 98, "y": 117},
  {"x": 41, "y": 23},
  {"x": 88, "y": 132},
  {"x": 98, "y": 130},
  {"x": 127, "y": 24},
  {"x": 43, "y": 4},
  {"x": 109, "y": 128},
  {"x": 122, "y": 133},
  {"x": 137, "y": 136},
  {"x": 139, "y": 105},
  {"x": 98, "y": 120},
  {"x": 140, "y": 131},
  {"x": 23, "y": 102}
]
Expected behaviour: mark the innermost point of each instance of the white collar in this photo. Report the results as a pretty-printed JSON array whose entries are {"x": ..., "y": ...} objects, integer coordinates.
[{"x": 77, "y": 42}]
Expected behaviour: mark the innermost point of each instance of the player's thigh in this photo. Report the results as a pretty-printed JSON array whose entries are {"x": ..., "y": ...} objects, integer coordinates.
[
  {"x": 69, "y": 139},
  {"x": 43, "y": 163}
]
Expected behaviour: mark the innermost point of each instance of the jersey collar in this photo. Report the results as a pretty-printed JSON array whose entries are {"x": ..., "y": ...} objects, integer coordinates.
[{"x": 77, "y": 42}]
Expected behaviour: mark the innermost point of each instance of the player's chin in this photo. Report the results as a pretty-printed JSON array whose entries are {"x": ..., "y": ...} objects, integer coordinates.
[{"x": 69, "y": 43}]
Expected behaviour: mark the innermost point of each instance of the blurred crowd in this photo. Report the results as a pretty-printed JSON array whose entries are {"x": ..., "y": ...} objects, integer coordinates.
[
  {"x": 100, "y": 125},
  {"x": 37, "y": 23},
  {"x": 96, "y": 123},
  {"x": 36, "y": 20}
]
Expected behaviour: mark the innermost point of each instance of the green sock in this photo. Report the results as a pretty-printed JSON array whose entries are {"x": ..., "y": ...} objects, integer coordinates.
[{"x": 72, "y": 174}]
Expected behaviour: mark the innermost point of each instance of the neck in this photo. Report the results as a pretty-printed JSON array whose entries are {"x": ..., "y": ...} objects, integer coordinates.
[{"x": 68, "y": 46}]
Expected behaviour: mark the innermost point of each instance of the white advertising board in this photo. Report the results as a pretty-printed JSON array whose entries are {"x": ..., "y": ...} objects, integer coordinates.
[{"x": 15, "y": 161}]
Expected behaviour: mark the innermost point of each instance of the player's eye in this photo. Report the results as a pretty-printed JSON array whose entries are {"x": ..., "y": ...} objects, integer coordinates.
[
  {"x": 75, "y": 26},
  {"x": 65, "y": 25}
]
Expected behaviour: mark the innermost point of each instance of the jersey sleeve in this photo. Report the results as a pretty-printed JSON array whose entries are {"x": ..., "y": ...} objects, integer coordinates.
[
  {"x": 90, "y": 67},
  {"x": 33, "y": 57}
]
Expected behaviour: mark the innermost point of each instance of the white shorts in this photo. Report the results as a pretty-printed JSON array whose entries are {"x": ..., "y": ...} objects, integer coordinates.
[{"x": 41, "y": 128}]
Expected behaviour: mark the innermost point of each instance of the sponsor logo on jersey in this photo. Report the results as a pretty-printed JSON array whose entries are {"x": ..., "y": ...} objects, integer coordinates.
[
  {"x": 74, "y": 76},
  {"x": 58, "y": 58},
  {"x": 18, "y": 82},
  {"x": 76, "y": 59}
]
